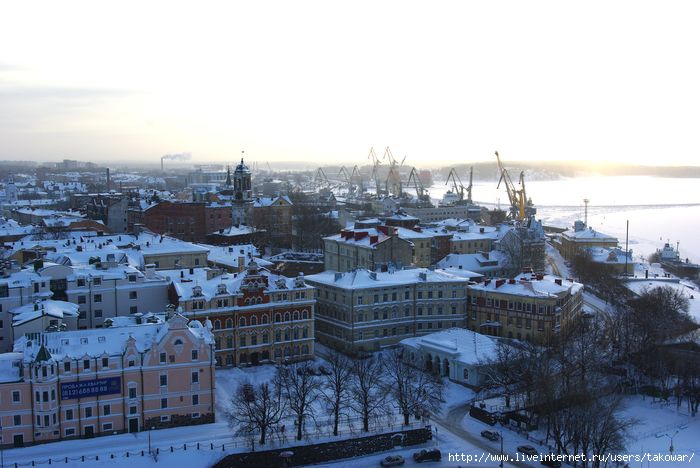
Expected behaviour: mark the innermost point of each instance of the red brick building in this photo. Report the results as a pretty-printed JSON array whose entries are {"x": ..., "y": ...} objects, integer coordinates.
[{"x": 188, "y": 221}]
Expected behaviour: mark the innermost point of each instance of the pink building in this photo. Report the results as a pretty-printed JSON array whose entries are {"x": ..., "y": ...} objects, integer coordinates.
[{"x": 137, "y": 373}]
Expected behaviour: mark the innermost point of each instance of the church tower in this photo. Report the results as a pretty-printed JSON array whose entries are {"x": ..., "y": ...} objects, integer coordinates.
[{"x": 242, "y": 194}]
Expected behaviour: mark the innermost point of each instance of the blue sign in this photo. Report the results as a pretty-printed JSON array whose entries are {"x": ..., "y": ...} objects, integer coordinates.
[{"x": 91, "y": 388}]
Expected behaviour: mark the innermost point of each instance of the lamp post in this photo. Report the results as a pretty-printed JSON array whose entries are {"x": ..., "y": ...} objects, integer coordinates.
[
  {"x": 670, "y": 449},
  {"x": 149, "y": 439},
  {"x": 500, "y": 436}
]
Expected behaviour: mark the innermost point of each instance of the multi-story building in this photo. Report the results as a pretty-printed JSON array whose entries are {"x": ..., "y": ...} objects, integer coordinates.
[
  {"x": 138, "y": 374},
  {"x": 529, "y": 307},
  {"x": 101, "y": 290},
  {"x": 362, "y": 310},
  {"x": 571, "y": 242},
  {"x": 256, "y": 316},
  {"x": 273, "y": 216},
  {"x": 188, "y": 221},
  {"x": 369, "y": 248},
  {"x": 110, "y": 209}
]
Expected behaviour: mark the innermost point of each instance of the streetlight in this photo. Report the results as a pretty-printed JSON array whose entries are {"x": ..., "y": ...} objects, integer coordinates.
[
  {"x": 500, "y": 436},
  {"x": 670, "y": 437},
  {"x": 149, "y": 439}
]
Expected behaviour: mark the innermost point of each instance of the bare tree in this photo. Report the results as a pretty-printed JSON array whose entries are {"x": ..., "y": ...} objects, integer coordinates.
[
  {"x": 412, "y": 391},
  {"x": 336, "y": 385},
  {"x": 256, "y": 407},
  {"x": 299, "y": 389},
  {"x": 366, "y": 388}
]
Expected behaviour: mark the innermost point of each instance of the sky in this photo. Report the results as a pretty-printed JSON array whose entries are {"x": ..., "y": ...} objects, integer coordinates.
[{"x": 438, "y": 82}]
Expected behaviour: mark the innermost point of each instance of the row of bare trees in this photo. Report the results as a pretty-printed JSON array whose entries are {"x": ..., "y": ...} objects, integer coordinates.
[{"x": 367, "y": 388}]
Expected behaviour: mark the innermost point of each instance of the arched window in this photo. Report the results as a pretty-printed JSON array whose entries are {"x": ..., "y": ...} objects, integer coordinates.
[
  {"x": 241, "y": 322},
  {"x": 296, "y": 333},
  {"x": 305, "y": 314},
  {"x": 306, "y": 332},
  {"x": 264, "y": 338},
  {"x": 229, "y": 341},
  {"x": 286, "y": 316},
  {"x": 264, "y": 318},
  {"x": 278, "y": 335},
  {"x": 286, "y": 335},
  {"x": 296, "y": 315},
  {"x": 305, "y": 349},
  {"x": 177, "y": 342},
  {"x": 286, "y": 352},
  {"x": 217, "y": 342},
  {"x": 229, "y": 323},
  {"x": 253, "y": 320},
  {"x": 260, "y": 300},
  {"x": 278, "y": 317},
  {"x": 217, "y": 324},
  {"x": 246, "y": 301}
]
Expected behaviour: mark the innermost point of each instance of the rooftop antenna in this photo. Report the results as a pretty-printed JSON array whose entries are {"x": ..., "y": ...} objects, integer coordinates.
[{"x": 585, "y": 215}]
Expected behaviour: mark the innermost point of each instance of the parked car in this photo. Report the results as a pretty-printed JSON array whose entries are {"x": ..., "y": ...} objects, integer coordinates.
[
  {"x": 549, "y": 461},
  {"x": 392, "y": 460},
  {"x": 527, "y": 449},
  {"x": 491, "y": 435},
  {"x": 427, "y": 455}
]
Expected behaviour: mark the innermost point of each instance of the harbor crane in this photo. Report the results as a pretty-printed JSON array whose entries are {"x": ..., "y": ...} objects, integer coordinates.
[
  {"x": 393, "y": 182},
  {"x": 421, "y": 192},
  {"x": 357, "y": 178},
  {"x": 520, "y": 206},
  {"x": 321, "y": 179},
  {"x": 457, "y": 186},
  {"x": 375, "y": 171}
]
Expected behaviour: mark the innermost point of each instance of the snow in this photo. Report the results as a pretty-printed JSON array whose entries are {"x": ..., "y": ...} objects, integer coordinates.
[
  {"x": 361, "y": 278},
  {"x": 465, "y": 345},
  {"x": 687, "y": 290},
  {"x": 528, "y": 285},
  {"x": 51, "y": 308}
]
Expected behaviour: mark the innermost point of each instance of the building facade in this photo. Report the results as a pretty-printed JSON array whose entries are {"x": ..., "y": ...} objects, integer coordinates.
[
  {"x": 362, "y": 311},
  {"x": 529, "y": 307},
  {"x": 256, "y": 316},
  {"x": 370, "y": 248},
  {"x": 127, "y": 378}
]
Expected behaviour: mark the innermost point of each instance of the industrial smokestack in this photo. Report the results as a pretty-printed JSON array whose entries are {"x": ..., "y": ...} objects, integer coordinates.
[
  {"x": 175, "y": 157},
  {"x": 107, "y": 179}
]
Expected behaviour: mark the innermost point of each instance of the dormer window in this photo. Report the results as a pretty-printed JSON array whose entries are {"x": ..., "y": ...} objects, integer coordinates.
[
  {"x": 197, "y": 291},
  {"x": 221, "y": 289},
  {"x": 83, "y": 340}
]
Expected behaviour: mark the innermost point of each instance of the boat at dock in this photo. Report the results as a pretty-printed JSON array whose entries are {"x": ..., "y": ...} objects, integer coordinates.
[{"x": 671, "y": 261}]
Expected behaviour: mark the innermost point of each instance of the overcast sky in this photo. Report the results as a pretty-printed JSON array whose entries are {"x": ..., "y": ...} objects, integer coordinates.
[{"x": 438, "y": 82}]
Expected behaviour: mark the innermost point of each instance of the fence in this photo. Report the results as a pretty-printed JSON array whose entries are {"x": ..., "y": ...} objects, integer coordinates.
[{"x": 350, "y": 428}]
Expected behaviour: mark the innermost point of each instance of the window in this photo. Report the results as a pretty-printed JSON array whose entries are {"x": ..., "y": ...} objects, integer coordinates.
[
  {"x": 132, "y": 392},
  {"x": 163, "y": 357},
  {"x": 163, "y": 403},
  {"x": 98, "y": 298},
  {"x": 81, "y": 300},
  {"x": 195, "y": 355},
  {"x": 359, "y": 300},
  {"x": 105, "y": 362},
  {"x": 70, "y": 432},
  {"x": 88, "y": 412},
  {"x": 106, "y": 410},
  {"x": 97, "y": 281},
  {"x": 69, "y": 415},
  {"x": 195, "y": 377},
  {"x": 164, "y": 380},
  {"x": 132, "y": 278},
  {"x": 133, "y": 295},
  {"x": 132, "y": 363},
  {"x": 107, "y": 427},
  {"x": 98, "y": 313},
  {"x": 53, "y": 395},
  {"x": 133, "y": 409},
  {"x": 15, "y": 396},
  {"x": 133, "y": 309},
  {"x": 195, "y": 399}
]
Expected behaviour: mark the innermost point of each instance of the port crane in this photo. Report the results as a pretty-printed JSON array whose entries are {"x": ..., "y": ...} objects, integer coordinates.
[
  {"x": 520, "y": 206},
  {"x": 375, "y": 171},
  {"x": 320, "y": 179},
  {"x": 357, "y": 177},
  {"x": 393, "y": 179},
  {"x": 457, "y": 186},
  {"x": 421, "y": 192}
]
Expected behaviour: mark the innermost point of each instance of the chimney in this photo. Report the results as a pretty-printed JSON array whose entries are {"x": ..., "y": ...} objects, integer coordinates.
[
  {"x": 500, "y": 283},
  {"x": 150, "y": 271},
  {"x": 558, "y": 281},
  {"x": 540, "y": 277},
  {"x": 511, "y": 281},
  {"x": 373, "y": 239},
  {"x": 481, "y": 230}
]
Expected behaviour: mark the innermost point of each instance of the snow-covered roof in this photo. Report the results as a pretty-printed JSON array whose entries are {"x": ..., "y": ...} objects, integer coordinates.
[
  {"x": 612, "y": 256},
  {"x": 411, "y": 234},
  {"x": 480, "y": 261},
  {"x": 104, "y": 341},
  {"x": 686, "y": 289},
  {"x": 367, "y": 237},
  {"x": 235, "y": 231},
  {"x": 361, "y": 278},
  {"x": 229, "y": 255},
  {"x": 269, "y": 201},
  {"x": 587, "y": 234},
  {"x": 206, "y": 282},
  {"x": 47, "y": 308},
  {"x": 527, "y": 284},
  {"x": 465, "y": 346}
]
